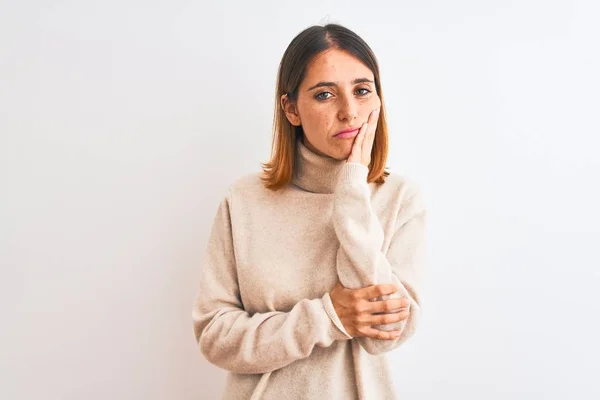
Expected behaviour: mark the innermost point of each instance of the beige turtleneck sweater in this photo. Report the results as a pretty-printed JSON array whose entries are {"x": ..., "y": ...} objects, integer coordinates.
[{"x": 263, "y": 310}]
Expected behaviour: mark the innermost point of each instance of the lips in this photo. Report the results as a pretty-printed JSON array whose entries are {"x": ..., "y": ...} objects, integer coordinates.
[
  {"x": 346, "y": 130},
  {"x": 347, "y": 134}
]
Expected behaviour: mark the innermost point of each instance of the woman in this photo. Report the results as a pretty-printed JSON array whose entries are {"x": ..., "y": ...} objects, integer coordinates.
[{"x": 313, "y": 266}]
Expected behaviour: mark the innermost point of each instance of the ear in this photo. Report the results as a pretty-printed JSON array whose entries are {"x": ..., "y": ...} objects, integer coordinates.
[{"x": 291, "y": 110}]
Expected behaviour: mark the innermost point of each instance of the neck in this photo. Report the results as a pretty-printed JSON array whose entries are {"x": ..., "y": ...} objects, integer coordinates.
[{"x": 315, "y": 172}]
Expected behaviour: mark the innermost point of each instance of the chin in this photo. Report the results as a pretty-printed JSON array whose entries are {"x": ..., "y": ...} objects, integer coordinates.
[{"x": 340, "y": 154}]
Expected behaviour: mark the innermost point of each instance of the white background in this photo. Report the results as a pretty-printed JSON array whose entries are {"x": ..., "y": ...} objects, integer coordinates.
[{"x": 123, "y": 122}]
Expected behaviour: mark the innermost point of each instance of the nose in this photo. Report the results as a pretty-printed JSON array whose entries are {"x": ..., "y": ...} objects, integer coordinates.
[{"x": 348, "y": 110}]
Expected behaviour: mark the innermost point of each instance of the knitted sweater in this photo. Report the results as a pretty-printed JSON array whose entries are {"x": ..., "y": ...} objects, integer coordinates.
[{"x": 263, "y": 310}]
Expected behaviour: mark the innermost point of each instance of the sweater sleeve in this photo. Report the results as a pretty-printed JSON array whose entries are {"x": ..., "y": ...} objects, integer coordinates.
[
  {"x": 360, "y": 261},
  {"x": 233, "y": 339}
]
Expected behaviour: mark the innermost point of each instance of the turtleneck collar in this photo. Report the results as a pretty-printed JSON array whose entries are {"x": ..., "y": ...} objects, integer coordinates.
[{"x": 314, "y": 172}]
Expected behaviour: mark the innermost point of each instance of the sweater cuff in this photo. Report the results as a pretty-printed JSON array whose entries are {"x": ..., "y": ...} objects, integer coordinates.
[
  {"x": 330, "y": 310},
  {"x": 353, "y": 172}
]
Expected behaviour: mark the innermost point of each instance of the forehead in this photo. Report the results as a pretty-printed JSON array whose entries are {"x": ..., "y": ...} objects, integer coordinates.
[{"x": 336, "y": 66}]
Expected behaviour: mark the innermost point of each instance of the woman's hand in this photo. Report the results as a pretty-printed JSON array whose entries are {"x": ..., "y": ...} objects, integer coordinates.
[
  {"x": 357, "y": 309},
  {"x": 363, "y": 142}
]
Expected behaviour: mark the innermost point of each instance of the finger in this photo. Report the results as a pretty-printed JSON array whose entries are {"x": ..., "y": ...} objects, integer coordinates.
[
  {"x": 379, "y": 334},
  {"x": 362, "y": 134},
  {"x": 370, "y": 135},
  {"x": 373, "y": 117},
  {"x": 358, "y": 142},
  {"x": 390, "y": 305},
  {"x": 384, "y": 319},
  {"x": 374, "y": 291}
]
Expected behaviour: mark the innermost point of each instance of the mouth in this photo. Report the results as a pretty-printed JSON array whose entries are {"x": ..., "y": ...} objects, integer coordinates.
[{"x": 346, "y": 133}]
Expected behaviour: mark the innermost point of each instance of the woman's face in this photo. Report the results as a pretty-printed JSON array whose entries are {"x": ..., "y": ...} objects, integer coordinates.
[{"x": 338, "y": 92}]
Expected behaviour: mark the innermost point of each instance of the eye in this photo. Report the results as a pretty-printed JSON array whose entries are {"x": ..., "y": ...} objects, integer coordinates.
[{"x": 320, "y": 97}]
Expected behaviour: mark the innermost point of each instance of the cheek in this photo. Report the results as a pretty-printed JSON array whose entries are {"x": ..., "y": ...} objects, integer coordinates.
[
  {"x": 319, "y": 116},
  {"x": 316, "y": 121},
  {"x": 376, "y": 102},
  {"x": 369, "y": 106}
]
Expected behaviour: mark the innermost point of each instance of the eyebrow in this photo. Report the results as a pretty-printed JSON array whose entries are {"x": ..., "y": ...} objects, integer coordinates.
[{"x": 320, "y": 84}]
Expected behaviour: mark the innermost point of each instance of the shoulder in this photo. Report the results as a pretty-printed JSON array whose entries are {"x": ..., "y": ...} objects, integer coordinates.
[
  {"x": 246, "y": 181},
  {"x": 247, "y": 186}
]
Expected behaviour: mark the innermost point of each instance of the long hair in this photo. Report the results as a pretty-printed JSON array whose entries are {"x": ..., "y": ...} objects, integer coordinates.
[{"x": 278, "y": 172}]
